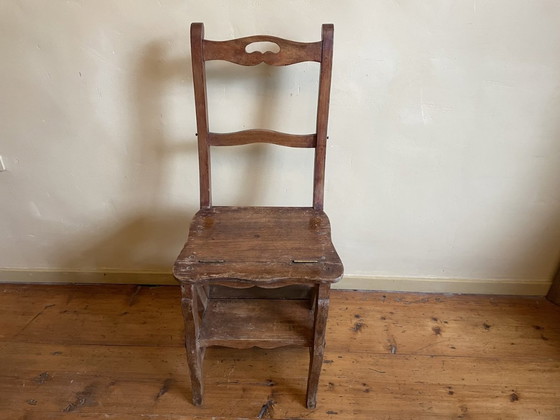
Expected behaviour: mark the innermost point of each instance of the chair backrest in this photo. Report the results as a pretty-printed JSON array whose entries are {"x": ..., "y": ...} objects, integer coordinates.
[{"x": 234, "y": 51}]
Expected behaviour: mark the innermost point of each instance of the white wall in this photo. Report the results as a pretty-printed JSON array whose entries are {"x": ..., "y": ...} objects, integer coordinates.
[{"x": 444, "y": 155}]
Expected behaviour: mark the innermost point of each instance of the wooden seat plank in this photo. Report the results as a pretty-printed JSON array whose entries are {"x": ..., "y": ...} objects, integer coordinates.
[{"x": 262, "y": 244}]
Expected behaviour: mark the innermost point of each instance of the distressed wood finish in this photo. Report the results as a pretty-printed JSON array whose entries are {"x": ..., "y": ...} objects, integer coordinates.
[
  {"x": 299, "y": 291},
  {"x": 246, "y": 323},
  {"x": 318, "y": 349},
  {"x": 259, "y": 246},
  {"x": 189, "y": 304},
  {"x": 252, "y": 250},
  {"x": 262, "y": 136},
  {"x": 200, "y": 100}
]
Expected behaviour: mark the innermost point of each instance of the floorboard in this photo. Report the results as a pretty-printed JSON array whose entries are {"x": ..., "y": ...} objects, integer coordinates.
[{"x": 116, "y": 352}]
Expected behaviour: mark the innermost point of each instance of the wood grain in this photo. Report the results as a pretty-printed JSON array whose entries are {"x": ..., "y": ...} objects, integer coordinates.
[
  {"x": 200, "y": 100},
  {"x": 117, "y": 352},
  {"x": 262, "y": 136},
  {"x": 321, "y": 312},
  {"x": 245, "y": 323},
  {"x": 259, "y": 245},
  {"x": 195, "y": 352},
  {"x": 323, "y": 115}
]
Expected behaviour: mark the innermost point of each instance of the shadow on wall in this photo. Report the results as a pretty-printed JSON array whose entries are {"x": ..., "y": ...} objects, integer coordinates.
[
  {"x": 150, "y": 235},
  {"x": 265, "y": 81},
  {"x": 145, "y": 242},
  {"x": 538, "y": 248}
]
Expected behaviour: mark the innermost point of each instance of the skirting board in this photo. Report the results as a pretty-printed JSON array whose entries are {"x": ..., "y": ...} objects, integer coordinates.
[{"x": 535, "y": 287}]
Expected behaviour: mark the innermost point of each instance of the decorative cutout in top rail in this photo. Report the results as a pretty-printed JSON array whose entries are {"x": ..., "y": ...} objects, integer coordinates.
[
  {"x": 262, "y": 47},
  {"x": 241, "y": 51}
]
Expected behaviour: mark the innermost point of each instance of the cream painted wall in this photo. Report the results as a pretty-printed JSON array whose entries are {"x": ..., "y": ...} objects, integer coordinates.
[{"x": 444, "y": 155}]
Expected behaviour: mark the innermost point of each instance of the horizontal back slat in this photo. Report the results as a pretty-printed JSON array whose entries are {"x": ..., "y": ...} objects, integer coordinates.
[
  {"x": 262, "y": 136},
  {"x": 234, "y": 51}
]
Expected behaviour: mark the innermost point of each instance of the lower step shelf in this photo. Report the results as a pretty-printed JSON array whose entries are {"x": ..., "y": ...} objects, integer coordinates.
[{"x": 265, "y": 323}]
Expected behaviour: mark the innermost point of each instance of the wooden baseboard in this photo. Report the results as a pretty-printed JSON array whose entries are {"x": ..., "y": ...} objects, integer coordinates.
[
  {"x": 537, "y": 287},
  {"x": 70, "y": 276}
]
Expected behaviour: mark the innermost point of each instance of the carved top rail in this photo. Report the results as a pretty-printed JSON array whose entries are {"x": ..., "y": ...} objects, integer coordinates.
[{"x": 235, "y": 51}]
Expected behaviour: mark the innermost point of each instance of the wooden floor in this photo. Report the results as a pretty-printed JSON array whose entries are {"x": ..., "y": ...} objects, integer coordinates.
[{"x": 116, "y": 352}]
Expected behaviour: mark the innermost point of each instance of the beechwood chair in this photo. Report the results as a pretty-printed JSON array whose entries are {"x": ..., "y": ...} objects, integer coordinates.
[{"x": 258, "y": 276}]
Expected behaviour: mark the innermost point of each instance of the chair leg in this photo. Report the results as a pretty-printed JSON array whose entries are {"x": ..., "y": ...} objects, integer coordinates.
[
  {"x": 318, "y": 349},
  {"x": 195, "y": 354}
]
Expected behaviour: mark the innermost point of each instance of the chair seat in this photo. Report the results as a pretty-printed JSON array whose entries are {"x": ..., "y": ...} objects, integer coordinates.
[{"x": 263, "y": 245}]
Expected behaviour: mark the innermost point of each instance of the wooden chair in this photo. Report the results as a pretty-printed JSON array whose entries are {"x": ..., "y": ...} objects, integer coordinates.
[{"x": 281, "y": 257}]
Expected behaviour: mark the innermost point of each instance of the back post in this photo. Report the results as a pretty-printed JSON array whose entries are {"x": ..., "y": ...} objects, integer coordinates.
[
  {"x": 323, "y": 115},
  {"x": 200, "y": 99}
]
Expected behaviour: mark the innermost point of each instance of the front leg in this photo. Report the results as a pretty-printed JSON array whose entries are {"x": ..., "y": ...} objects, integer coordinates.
[
  {"x": 321, "y": 305},
  {"x": 189, "y": 304}
]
